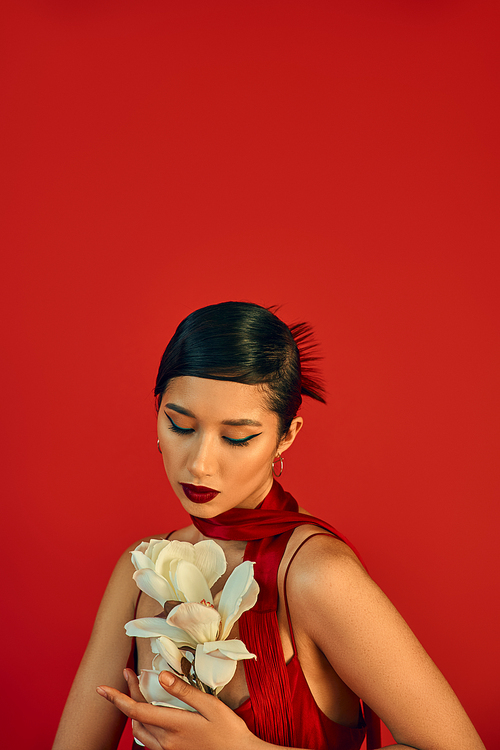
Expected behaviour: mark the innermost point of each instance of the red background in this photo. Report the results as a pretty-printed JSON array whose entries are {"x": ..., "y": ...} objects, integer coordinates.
[{"x": 340, "y": 159}]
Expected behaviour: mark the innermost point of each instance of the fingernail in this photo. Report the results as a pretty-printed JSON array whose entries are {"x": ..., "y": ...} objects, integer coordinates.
[
  {"x": 102, "y": 692},
  {"x": 167, "y": 678},
  {"x": 125, "y": 674}
]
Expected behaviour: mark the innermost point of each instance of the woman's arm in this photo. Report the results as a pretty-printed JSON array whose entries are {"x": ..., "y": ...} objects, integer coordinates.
[
  {"x": 335, "y": 604},
  {"x": 88, "y": 722}
]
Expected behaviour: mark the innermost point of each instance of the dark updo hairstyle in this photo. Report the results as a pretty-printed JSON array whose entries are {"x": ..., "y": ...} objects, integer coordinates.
[{"x": 245, "y": 343}]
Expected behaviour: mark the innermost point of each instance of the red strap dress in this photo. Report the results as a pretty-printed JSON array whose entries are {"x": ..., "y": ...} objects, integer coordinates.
[{"x": 313, "y": 729}]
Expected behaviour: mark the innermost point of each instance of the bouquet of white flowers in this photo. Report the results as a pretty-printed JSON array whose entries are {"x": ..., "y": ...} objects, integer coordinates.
[{"x": 192, "y": 641}]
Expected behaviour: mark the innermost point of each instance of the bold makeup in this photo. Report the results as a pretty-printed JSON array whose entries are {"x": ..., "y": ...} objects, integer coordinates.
[{"x": 197, "y": 493}]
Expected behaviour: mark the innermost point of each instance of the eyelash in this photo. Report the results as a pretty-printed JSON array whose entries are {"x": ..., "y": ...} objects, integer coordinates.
[
  {"x": 175, "y": 428},
  {"x": 237, "y": 443},
  {"x": 186, "y": 431}
]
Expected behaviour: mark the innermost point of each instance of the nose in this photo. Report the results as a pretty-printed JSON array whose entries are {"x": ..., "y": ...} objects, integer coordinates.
[{"x": 201, "y": 459}]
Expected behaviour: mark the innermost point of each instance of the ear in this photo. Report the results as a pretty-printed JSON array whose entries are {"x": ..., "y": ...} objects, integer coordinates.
[{"x": 290, "y": 436}]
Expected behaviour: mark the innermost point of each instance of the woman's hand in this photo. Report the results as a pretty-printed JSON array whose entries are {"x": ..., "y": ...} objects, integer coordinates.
[{"x": 214, "y": 727}]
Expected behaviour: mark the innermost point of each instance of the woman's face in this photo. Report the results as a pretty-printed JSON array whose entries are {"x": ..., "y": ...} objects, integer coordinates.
[{"x": 218, "y": 435}]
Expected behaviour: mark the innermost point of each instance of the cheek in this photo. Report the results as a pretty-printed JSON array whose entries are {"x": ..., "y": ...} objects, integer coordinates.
[
  {"x": 171, "y": 451},
  {"x": 173, "y": 466},
  {"x": 252, "y": 464}
]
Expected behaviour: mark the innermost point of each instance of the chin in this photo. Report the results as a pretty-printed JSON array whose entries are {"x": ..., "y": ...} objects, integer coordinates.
[{"x": 202, "y": 511}]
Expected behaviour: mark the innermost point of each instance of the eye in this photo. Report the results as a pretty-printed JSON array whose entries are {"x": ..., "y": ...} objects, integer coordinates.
[
  {"x": 242, "y": 441},
  {"x": 176, "y": 428}
]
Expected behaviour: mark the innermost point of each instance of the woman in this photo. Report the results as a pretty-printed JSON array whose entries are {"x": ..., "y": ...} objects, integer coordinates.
[{"x": 229, "y": 387}]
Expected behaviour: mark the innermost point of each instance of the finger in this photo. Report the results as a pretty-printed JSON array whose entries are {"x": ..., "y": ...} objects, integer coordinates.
[
  {"x": 133, "y": 686},
  {"x": 143, "y": 712},
  {"x": 205, "y": 704},
  {"x": 148, "y": 740}
]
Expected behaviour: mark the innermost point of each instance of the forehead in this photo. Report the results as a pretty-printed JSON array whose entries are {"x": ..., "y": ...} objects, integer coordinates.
[{"x": 218, "y": 400}]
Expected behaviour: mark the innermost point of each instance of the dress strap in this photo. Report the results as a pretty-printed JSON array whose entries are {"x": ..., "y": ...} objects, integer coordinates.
[
  {"x": 372, "y": 721},
  {"x": 288, "y": 617}
]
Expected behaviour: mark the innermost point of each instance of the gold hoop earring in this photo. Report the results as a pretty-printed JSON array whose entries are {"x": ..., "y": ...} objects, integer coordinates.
[
  {"x": 158, "y": 445},
  {"x": 279, "y": 458}
]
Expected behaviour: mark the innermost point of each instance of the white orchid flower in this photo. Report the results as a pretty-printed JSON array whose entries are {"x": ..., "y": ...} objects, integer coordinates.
[
  {"x": 178, "y": 571},
  {"x": 198, "y": 627}
]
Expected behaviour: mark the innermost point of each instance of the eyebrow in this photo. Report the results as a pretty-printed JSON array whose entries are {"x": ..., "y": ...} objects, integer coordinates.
[
  {"x": 180, "y": 410},
  {"x": 242, "y": 422},
  {"x": 230, "y": 422}
]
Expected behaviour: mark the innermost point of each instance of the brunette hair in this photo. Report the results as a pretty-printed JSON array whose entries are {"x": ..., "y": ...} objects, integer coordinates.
[{"x": 245, "y": 343}]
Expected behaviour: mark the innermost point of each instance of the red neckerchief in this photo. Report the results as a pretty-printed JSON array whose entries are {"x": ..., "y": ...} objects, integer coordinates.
[{"x": 267, "y": 530}]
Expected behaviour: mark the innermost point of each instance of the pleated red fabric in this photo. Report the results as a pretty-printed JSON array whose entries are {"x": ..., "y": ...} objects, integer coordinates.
[{"x": 267, "y": 530}]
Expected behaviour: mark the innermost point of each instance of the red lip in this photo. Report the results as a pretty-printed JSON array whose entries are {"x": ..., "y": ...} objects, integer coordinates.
[{"x": 197, "y": 493}]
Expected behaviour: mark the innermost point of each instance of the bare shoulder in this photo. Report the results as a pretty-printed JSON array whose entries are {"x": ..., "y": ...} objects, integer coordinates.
[
  {"x": 315, "y": 558},
  {"x": 124, "y": 569},
  {"x": 323, "y": 575}
]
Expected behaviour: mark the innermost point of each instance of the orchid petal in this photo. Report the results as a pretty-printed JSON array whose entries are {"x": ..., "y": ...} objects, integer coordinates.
[
  {"x": 154, "y": 627},
  {"x": 157, "y": 545},
  {"x": 154, "y": 585},
  {"x": 174, "y": 703},
  {"x": 191, "y": 582},
  {"x": 217, "y": 599},
  {"x": 196, "y": 620},
  {"x": 239, "y": 594},
  {"x": 210, "y": 560},
  {"x": 142, "y": 547},
  {"x": 214, "y": 671},
  {"x": 233, "y": 649},
  {"x": 160, "y": 665},
  {"x": 173, "y": 551},
  {"x": 140, "y": 560},
  {"x": 179, "y": 596},
  {"x": 154, "y": 693},
  {"x": 154, "y": 646},
  {"x": 170, "y": 653},
  {"x": 149, "y": 546}
]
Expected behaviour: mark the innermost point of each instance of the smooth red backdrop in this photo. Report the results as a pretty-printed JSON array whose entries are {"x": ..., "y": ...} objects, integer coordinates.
[{"x": 338, "y": 158}]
